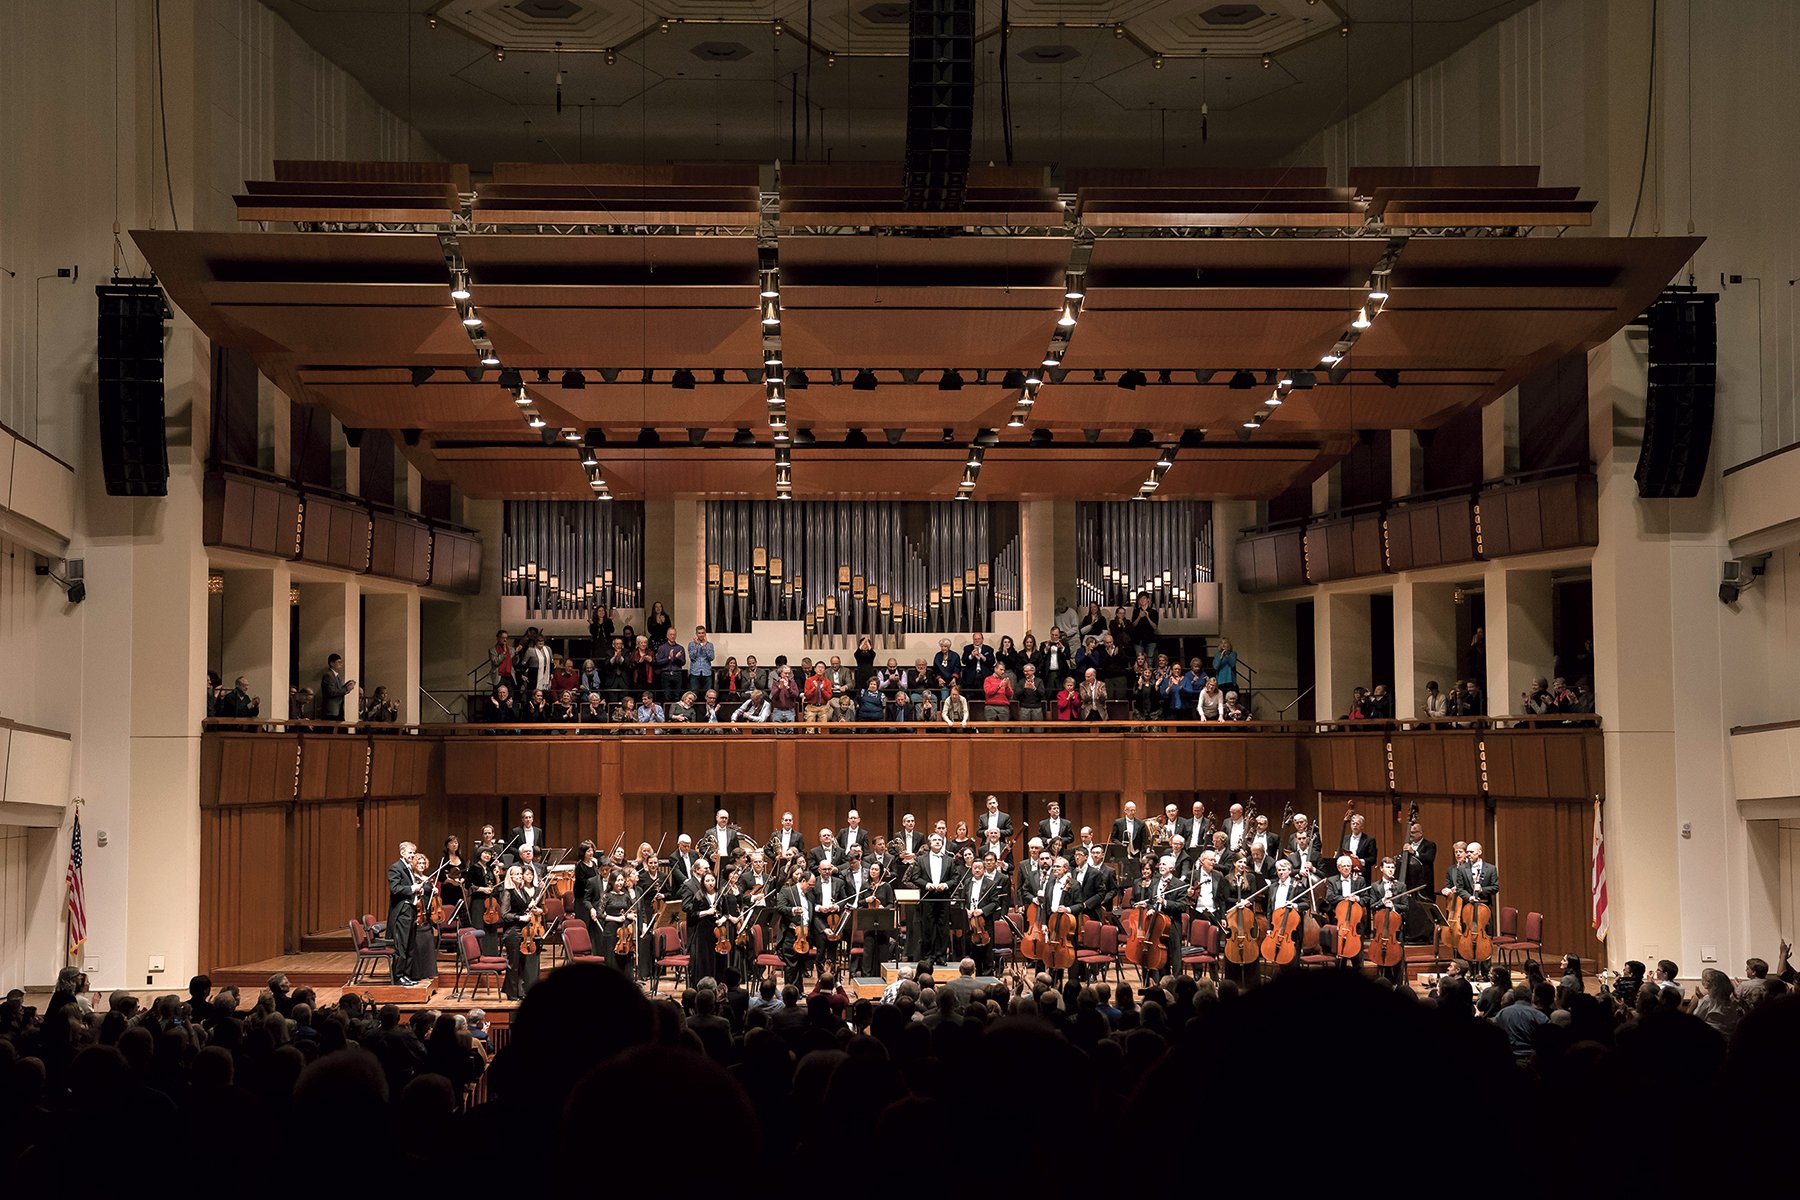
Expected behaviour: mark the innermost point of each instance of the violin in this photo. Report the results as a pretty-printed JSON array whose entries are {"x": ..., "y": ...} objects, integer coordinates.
[
  {"x": 625, "y": 942},
  {"x": 802, "y": 945},
  {"x": 722, "y": 939},
  {"x": 979, "y": 934},
  {"x": 435, "y": 915},
  {"x": 490, "y": 910},
  {"x": 534, "y": 931}
]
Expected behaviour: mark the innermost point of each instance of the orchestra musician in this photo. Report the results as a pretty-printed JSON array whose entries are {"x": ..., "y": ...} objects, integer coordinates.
[
  {"x": 934, "y": 873},
  {"x": 993, "y": 818},
  {"x": 1477, "y": 882},
  {"x": 1389, "y": 894},
  {"x": 786, "y": 838},
  {"x": 1289, "y": 891},
  {"x": 681, "y": 868},
  {"x": 831, "y": 900},
  {"x": 529, "y": 869},
  {"x": 796, "y": 901},
  {"x": 1129, "y": 832},
  {"x": 1236, "y": 829},
  {"x": 1206, "y": 889},
  {"x": 1056, "y": 894},
  {"x": 853, "y": 836},
  {"x": 979, "y": 896},
  {"x": 1347, "y": 884},
  {"x": 486, "y": 877},
  {"x": 722, "y": 839},
  {"x": 516, "y": 906},
  {"x": 875, "y": 892},
  {"x": 1241, "y": 891},
  {"x": 450, "y": 885},
  {"x": 406, "y": 892},
  {"x": 526, "y": 836},
  {"x": 1260, "y": 832},
  {"x": 704, "y": 907},
  {"x": 1358, "y": 843},
  {"x": 590, "y": 888},
  {"x": 906, "y": 842},
  {"x": 1197, "y": 829},
  {"x": 1417, "y": 864},
  {"x": 1054, "y": 826},
  {"x": 423, "y": 963},
  {"x": 615, "y": 911},
  {"x": 827, "y": 850},
  {"x": 995, "y": 843},
  {"x": 1168, "y": 895}
]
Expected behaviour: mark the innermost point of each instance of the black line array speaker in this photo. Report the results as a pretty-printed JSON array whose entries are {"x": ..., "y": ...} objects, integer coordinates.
[
  {"x": 940, "y": 103},
  {"x": 1678, "y": 414},
  {"x": 134, "y": 451}
]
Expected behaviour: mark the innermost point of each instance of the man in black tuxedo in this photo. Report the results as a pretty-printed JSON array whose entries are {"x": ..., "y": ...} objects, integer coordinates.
[
  {"x": 1346, "y": 884},
  {"x": 935, "y": 874},
  {"x": 525, "y": 834},
  {"x": 906, "y": 843},
  {"x": 1359, "y": 844},
  {"x": 721, "y": 840},
  {"x": 1196, "y": 829},
  {"x": 993, "y": 818},
  {"x": 1477, "y": 882},
  {"x": 1388, "y": 894},
  {"x": 1129, "y": 832},
  {"x": 853, "y": 836},
  {"x": 786, "y": 836},
  {"x": 1416, "y": 864},
  {"x": 827, "y": 850},
  {"x": 797, "y": 909},
  {"x": 830, "y": 900},
  {"x": 1262, "y": 863},
  {"x": 978, "y": 895},
  {"x": 1053, "y": 826},
  {"x": 1206, "y": 890},
  {"x": 1288, "y": 891},
  {"x": 682, "y": 868},
  {"x": 1057, "y": 893},
  {"x": 1168, "y": 895},
  {"x": 404, "y": 891}
]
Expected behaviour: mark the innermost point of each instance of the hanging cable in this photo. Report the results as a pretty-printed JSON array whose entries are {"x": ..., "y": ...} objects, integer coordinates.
[
  {"x": 1006, "y": 125},
  {"x": 1649, "y": 115}
]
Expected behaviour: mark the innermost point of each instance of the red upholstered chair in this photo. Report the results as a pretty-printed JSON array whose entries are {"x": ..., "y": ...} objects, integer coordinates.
[
  {"x": 1323, "y": 952},
  {"x": 577, "y": 941},
  {"x": 670, "y": 956},
  {"x": 1099, "y": 947},
  {"x": 377, "y": 930},
  {"x": 471, "y": 962},
  {"x": 368, "y": 954},
  {"x": 1507, "y": 932},
  {"x": 554, "y": 920},
  {"x": 1528, "y": 943},
  {"x": 1202, "y": 953},
  {"x": 761, "y": 959}
]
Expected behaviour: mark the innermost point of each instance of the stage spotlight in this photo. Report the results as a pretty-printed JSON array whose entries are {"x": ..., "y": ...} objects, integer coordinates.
[
  {"x": 1132, "y": 380},
  {"x": 857, "y": 438},
  {"x": 796, "y": 378},
  {"x": 1304, "y": 380},
  {"x": 682, "y": 380},
  {"x": 804, "y": 437},
  {"x": 1242, "y": 381},
  {"x": 865, "y": 381},
  {"x": 421, "y": 374},
  {"x": 743, "y": 439},
  {"x": 510, "y": 379},
  {"x": 1141, "y": 437},
  {"x": 1042, "y": 437},
  {"x": 894, "y": 436},
  {"x": 696, "y": 435},
  {"x": 574, "y": 380},
  {"x": 950, "y": 381},
  {"x": 1388, "y": 375},
  {"x": 1013, "y": 380}
]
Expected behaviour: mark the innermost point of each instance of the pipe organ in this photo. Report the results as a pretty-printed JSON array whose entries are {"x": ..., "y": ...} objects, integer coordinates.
[
  {"x": 883, "y": 568},
  {"x": 1160, "y": 547},
  {"x": 567, "y": 556}
]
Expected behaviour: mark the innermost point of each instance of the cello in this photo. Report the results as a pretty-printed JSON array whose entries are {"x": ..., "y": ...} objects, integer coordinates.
[
  {"x": 1147, "y": 933},
  {"x": 1350, "y": 912},
  {"x": 1474, "y": 942},
  {"x": 1387, "y": 947},
  {"x": 1278, "y": 945},
  {"x": 1057, "y": 946},
  {"x": 1029, "y": 945},
  {"x": 1243, "y": 935}
]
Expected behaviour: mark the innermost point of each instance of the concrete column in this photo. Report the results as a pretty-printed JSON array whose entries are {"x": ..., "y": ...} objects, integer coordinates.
[
  {"x": 1340, "y": 649},
  {"x": 1403, "y": 459},
  {"x": 1062, "y": 540},
  {"x": 328, "y": 625},
  {"x": 1519, "y": 614},
  {"x": 1037, "y": 545},
  {"x": 660, "y": 581},
  {"x": 1424, "y": 642},
  {"x": 390, "y": 653},
  {"x": 254, "y": 633},
  {"x": 687, "y": 566}
]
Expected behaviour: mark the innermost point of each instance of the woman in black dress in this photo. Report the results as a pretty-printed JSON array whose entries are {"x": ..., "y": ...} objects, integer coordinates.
[
  {"x": 865, "y": 661},
  {"x": 961, "y": 842},
  {"x": 640, "y": 885},
  {"x": 615, "y": 914},
  {"x": 450, "y": 883},
  {"x": 704, "y": 906},
  {"x": 422, "y": 961},
  {"x": 658, "y": 624},
  {"x": 515, "y": 912},
  {"x": 589, "y": 888},
  {"x": 486, "y": 881}
]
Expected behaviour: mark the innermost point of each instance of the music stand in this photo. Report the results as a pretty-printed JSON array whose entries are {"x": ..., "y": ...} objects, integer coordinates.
[{"x": 1118, "y": 854}]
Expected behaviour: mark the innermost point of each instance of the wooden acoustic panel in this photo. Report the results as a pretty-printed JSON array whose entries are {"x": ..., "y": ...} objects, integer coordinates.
[
  {"x": 244, "y": 903},
  {"x": 1556, "y": 513},
  {"x": 1431, "y": 533},
  {"x": 1271, "y": 560},
  {"x": 1345, "y": 548},
  {"x": 333, "y": 767},
  {"x": 240, "y": 769},
  {"x": 250, "y": 514},
  {"x": 399, "y": 547},
  {"x": 334, "y": 533},
  {"x": 455, "y": 561}
]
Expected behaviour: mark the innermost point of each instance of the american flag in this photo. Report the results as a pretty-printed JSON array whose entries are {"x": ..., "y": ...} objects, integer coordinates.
[
  {"x": 1599, "y": 876},
  {"x": 77, "y": 898}
]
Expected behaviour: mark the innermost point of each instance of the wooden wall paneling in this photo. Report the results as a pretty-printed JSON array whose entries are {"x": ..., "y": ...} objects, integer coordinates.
[
  {"x": 1270, "y": 763},
  {"x": 995, "y": 765},
  {"x": 328, "y": 868},
  {"x": 471, "y": 765},
  {"x": 924, "y": 768},
  {"x": 243, "y": 902},
  {"x": 385, "y": 824},
  {"x": 650, "y": 819},
  {"x": 874, "y": 767},
  {"x": 1496, "y": 758},
  {"x": 333, "y": 767},
  {"x": 1047, "y": 766},
  {"x": 1565, "y": 763},
  {"x": 1462, "y": 763},
  {"x": 820, "y": 766},
  {"x": 1320, "y": 752},
  {"x": 750, "y": 767},
  {"x": 1099, "y": 765},
  {"x": 1593, "y": 753},
  {"x": 523, "y": 765},
  {"x": 646, "y": 767},
  {"x": 254, "y": 769},
  {"x": 1220, "y": 764},
  {"x": 573, "y": 769},
  {"x": 1169, "y": 763},
  {"x": 1540, "y": 848},
  {"x": 401, "y": 766},
  {"x": 697, "y": 767}
]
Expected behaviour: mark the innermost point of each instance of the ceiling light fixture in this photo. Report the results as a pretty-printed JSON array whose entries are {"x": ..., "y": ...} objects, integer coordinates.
[
  {"x": 950, "y": 381},
  {"x": 1068, "y": 315},
  {"x": 522, "y": 398},
  {"x": 1012, "y": 380},
  {"x": 1132, "y": 380},
  {"x": 420, "y": 374},
  {"x": 574, "y": 380},
  {"x": 1016, "y": 421},
  {"x": 1362, "y": 318},
  {"x": 1242, "y": 381},
  {"x": 510, "y": 379},
  {"x": 471, "y": 320},
  {"x": 490, "y": 359},
  {"x": 865, "y": 381},
  {"x": 796, "y": 379},
  {"x": 681, "y": 381},
  {"x": 534, "y": 420}
]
